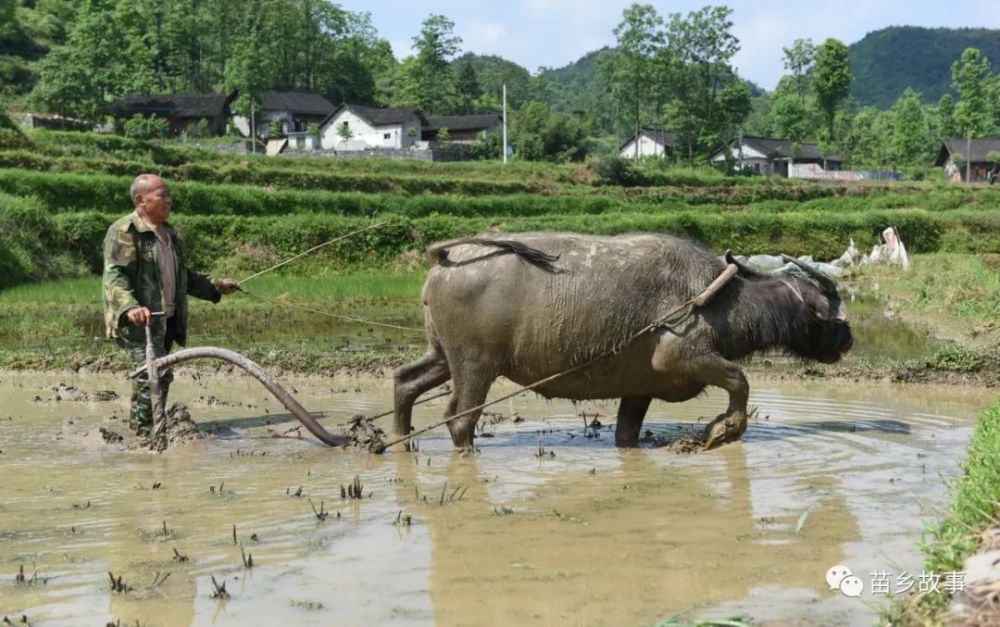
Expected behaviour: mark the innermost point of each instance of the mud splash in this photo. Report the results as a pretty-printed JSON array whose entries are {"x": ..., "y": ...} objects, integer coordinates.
[{"x": 547, "y": 524}]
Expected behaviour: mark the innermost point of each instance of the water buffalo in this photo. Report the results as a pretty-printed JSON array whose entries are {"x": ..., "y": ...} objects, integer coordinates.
[{"x": 530, "y": 305}]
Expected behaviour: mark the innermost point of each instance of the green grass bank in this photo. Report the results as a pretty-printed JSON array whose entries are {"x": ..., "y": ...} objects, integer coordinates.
[{"x": 974, "y": 508}]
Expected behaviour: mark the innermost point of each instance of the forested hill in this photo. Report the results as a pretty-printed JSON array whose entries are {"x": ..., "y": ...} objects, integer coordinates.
[
  {"x": 577, "y": 88},
  {"x": 887, "y": 61}
]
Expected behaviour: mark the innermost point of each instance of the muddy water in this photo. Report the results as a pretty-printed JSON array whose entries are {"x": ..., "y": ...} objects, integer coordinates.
[{"x": 583, "y": 534}]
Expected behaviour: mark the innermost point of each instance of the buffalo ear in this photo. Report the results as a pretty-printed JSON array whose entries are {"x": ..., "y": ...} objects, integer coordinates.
[
  {"x": 745, "y": 271},
  {"x": 828, "y": 285}
]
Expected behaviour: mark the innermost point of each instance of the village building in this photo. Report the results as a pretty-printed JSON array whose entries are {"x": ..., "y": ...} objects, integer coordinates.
[
  {"x": 649, "y": 142},
  {"x": 356, "y": 127},
  {"x": 777, "y": 157},
  {"x": 462, "y": 129},
  {"x": 981, "y": 155},
  {"x": 294, "y": 110},
  {"x": 351, "y": 129},
  {"x": 181, "y": 111}
]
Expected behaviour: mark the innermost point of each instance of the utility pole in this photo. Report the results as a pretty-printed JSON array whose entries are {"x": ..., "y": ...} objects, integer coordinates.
[
  {"x": 253, "y": 127},
  {"x": 739, "y": 139},
  {"x": 505, "y": 122},
  {"x": 968, "y": 156}
]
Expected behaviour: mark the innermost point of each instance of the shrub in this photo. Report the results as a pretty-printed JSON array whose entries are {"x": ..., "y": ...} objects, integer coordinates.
[
  {"x": 6, "y": 122},
  {"x": 146, "y": 127},
  {"x": 956, "y": 358},
  {"x": 200, "y": 129},
  {"x": 615, "y": 171}
]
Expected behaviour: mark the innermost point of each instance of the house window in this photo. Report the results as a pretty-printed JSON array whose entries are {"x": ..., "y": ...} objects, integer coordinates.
[
  {"x": 300, "y": 142},
  {"x": 386, "y": 135}
]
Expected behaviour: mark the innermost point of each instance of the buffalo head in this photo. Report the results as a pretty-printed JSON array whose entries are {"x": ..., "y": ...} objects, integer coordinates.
[{"x": 827, "y": 333}]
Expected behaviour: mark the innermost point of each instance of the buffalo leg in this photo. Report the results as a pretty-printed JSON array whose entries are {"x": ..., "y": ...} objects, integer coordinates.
[
  {"x": 411, "y": 381},
  {"x": 631, "y": 412},
  {"x": 471, "y": 389},
  {"x": 722, "y": 373}
]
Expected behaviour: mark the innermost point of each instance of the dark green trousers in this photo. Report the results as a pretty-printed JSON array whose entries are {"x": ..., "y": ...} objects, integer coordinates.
[{"x": 140, "y": 419}]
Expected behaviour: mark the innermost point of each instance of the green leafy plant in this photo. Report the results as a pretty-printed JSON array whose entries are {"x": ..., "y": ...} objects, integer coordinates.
[{"x": 146, "y": 127}]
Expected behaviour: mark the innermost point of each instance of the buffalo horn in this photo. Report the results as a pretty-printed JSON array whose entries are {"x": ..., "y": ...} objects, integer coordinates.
[
  {"x": 745, "y": 271},
  {"x": 825, "y": 282}
]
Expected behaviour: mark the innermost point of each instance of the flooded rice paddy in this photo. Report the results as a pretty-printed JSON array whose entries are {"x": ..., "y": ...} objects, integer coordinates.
[{"x": 547, "y": 524}]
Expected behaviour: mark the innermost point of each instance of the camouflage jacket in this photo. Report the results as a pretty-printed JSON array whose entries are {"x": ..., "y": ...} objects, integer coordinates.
[{"x": 132, "y": 279}]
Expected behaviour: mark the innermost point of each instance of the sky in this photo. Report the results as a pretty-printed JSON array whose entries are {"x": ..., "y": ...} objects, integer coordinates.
[{"x": 554, "y": 33}]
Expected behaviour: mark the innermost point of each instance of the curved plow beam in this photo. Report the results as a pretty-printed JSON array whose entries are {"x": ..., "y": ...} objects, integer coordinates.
[{"x": 279, "y": 392}]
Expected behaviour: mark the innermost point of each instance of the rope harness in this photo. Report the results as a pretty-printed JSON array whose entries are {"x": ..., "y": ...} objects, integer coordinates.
[
  {"x": 312, "y": 250},
  {"x": 328, "y": 314},
  {"x": 669, "y": 319}
]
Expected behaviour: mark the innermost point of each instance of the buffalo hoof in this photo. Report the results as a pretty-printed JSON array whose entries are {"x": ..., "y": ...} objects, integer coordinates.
[{"x": 722, "y": 430}]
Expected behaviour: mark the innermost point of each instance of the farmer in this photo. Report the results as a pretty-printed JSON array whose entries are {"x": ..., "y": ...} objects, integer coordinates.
[{"x": 145, "y": 271}]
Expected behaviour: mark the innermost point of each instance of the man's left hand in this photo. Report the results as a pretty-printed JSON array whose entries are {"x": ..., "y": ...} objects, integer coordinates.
[{"x": 227, "y": 286}]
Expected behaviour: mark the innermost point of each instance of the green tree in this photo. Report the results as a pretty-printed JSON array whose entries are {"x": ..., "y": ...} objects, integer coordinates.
[
  {"x": 970, "y": 77},
  {"x": 430, "y": 73},
  {"x": 538, "y": 134},
  {"x": 12, "y": 36},
  {"x": 799, "y": 60},
  {"x": 946, "y": 117},
  {"x": 467, "y": 86},
  {"x": 64, "y": 86},
  {"x": 94, "y": 52},
  {"x": 492, "y": 73},
  {"x": 7, "y": 123},
  {"x": 735, "y": 104},
  {"x": 911, "y": 143},
  {"x": 791, "y": 117},
  {"x": 143, "y": 46},
  {"x": 630, "y": 69},
  {"x": 759, "y": 121},
  {"x": 993, "y": 94},
  {"x": 344, "y": 132},
  {"x": 695, "y": 67},
  {"x": 831, "y": 80},
  {"x": 866, "y": 143},
  {"x": 146, "y": 127}
]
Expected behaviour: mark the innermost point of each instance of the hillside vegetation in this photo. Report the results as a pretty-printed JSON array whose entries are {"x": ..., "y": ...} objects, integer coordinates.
[
  {"x": 59, "y": 193},
  {"x": 887, "y": 61}
]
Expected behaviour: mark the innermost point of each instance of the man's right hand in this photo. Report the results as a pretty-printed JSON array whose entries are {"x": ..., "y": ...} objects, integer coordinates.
[{"x": 139, "y": 316}]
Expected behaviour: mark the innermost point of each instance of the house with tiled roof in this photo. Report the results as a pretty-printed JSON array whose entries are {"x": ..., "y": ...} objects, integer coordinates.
[
  {"x": 293, "y": 109},
  {"x": 180, "y": 110},
  {"x": 649, "y": 142},
  {"x": 462, "y": 129},
  {"x": 977, "y": 156},
  {"x": 779, "y": 157},
  {"x": 358, "y": 127}
]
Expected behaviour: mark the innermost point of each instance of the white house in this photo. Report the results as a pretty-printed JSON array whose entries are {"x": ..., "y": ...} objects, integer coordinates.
[
  {"x": 780, "y": 157},
  {"x": 356, "y": 127},
  {"x": 294, "y": 109},
  {"x": 652, "y": 142}
]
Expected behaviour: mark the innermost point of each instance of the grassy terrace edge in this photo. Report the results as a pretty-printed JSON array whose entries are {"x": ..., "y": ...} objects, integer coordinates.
[{"x": 949, "y": 542}]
